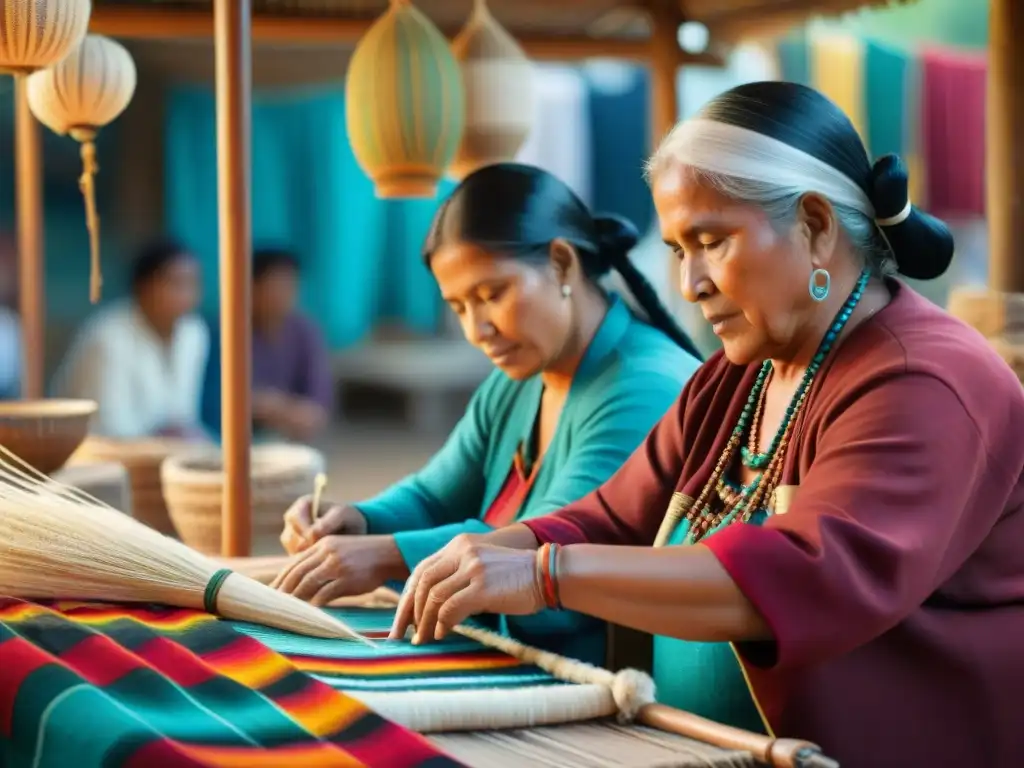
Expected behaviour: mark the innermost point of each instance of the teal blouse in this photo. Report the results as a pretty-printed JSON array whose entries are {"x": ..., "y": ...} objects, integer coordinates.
[
  {"x": 704, "y": 678},
  {"x": 629, "y": 376}
]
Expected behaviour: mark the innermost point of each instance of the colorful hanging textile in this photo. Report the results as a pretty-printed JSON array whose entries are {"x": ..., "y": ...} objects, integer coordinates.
[
  {"x": 891, "y": 101},
  {"x": 913, "y": 155},
  {"x": 140, "y": 686},
  {"x": 953, "y": 131},
  {"x": 794, "y": 58},
  {"x": 837, "y": 70}
]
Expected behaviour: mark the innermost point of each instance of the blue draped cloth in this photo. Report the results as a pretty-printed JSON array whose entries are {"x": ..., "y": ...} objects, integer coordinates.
[{"x": 360, "y": 255}]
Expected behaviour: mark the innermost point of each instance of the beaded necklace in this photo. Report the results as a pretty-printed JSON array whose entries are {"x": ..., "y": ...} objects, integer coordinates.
[{"x": 741, "y": 502}]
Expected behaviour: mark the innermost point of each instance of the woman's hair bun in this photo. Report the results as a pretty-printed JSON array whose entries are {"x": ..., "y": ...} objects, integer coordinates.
[
  {"x": 616, "y": 237},
  {"x": 922, "y": 245}
]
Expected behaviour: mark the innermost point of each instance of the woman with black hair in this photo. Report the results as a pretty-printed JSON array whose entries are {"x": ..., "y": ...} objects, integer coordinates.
[
  {"x": 838, "y": 492},
  {"x": 579, "y": 383},
  {"x": 143, "y": 359}
]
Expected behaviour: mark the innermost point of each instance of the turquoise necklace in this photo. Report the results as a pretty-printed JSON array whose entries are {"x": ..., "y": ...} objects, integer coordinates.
[{"x": 749, "y": 498}]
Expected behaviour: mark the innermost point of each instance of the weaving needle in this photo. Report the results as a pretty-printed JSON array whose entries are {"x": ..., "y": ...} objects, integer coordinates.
[{"x": 319, "y": 483}]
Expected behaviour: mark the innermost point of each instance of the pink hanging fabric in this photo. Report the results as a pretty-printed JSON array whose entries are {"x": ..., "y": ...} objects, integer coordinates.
[{"x": 953, "y": 131}]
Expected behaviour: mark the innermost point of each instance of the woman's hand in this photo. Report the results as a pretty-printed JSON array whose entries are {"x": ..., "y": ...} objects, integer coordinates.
[
  {"x": 465, "y": 578},
  {"x": 342, "y": 566},
  {"x": 301, "y": 531}
]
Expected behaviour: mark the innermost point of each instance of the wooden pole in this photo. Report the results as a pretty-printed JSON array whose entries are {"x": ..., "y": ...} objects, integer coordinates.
[
  {"x": 664, "y": 57},
  {"x": 232, "y": 39},
  {"x": 627, "y": 647},
  {"x": 1004, "y": 149},
  {"x": 28, "y": 162}
]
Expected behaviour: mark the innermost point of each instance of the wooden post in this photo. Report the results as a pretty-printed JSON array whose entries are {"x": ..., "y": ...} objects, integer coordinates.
[
  {"x": 1004, "y": 151},
  {"x": 665, "y": 56},
  {"x": 233, "y": 43},
  {"x": 629, "y": 647},
  {"x": 28, "y": 162}
]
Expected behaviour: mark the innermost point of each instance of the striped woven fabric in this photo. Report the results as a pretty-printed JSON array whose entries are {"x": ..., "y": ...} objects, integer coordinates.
[
  {"x": 456, "y": 662},
  {"x": 104, "y": 686}
]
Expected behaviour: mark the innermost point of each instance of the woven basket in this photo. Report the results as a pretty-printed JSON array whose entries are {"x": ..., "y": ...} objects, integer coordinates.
[
  {"x": 142, "y": 458},
  {"x": 44, "y": 433},
  {"x": 193, "y": 485}
]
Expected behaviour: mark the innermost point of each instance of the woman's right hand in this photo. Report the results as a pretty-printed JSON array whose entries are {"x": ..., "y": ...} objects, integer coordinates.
[{"x": 301, "y": 531}]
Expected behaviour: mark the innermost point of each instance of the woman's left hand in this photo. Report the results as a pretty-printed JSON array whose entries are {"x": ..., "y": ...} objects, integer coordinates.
[
  {"x": 465, "y": 578},
  {"x": 341, "y": 566}
]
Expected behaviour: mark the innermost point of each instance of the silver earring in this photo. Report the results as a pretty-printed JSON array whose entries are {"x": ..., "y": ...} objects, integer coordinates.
[
  {"x": 566, "y": 291},
  {"x": 820, "y": 284}
]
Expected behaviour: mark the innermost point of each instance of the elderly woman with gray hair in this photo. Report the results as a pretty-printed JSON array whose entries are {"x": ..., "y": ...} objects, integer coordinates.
[{"x": 823, "y": 533}]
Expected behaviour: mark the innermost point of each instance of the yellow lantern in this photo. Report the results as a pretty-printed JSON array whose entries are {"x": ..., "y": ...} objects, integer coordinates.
[
  {"x": 84, "y": 92},
  {"x": 36, "y": 34},
  {"x": 498, "y": 78},
  {"x": 405, "y": 103}
]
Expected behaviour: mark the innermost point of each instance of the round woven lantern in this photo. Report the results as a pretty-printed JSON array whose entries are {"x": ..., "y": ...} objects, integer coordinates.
[
  {"x": 498, "y": 78},
  {"x": 36, "y": 34},
  {"x": 193, "y": 485},
  {"x": 87, "y": 90},
  {"x": 405, "y": 103}
]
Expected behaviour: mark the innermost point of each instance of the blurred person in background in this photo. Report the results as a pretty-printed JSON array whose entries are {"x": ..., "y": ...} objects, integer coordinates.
[
  {"x": 142, "y": 359},
  {"x": 293, "y": 391},
  {"x": 10, "y": 322},
  {"x": 579, "y": 382}
]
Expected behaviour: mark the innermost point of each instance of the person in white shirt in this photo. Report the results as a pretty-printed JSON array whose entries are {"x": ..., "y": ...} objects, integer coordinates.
[{"x": 143, "y": 359}]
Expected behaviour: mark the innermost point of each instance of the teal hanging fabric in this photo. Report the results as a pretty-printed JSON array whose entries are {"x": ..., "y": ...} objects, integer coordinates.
[
  {"x": 308, "y": 195},
  {"x": 795, "y": 58},
  {"x": 620, "y": 143},
  {"x": 886, "y": 97},
  {"x": 412, "y": 298}
]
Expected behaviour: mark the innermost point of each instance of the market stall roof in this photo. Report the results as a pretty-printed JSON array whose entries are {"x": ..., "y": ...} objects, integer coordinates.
[{"x": 336, "y": 21}]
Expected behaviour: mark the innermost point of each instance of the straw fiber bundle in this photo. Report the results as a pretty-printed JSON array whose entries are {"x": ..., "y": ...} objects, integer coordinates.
[{"x": 58, "y": 543}]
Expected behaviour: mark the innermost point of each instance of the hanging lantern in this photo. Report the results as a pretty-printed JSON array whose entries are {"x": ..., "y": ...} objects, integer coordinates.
[
  {"x": 36, "y": 34},
  {"x": 498, "y": 78},
  {"x": 405, "y": 103},
  {"x": 84, "y": 92}
]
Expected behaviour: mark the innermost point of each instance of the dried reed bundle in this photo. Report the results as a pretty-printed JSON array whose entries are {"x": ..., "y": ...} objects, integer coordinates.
[{"x": 56, "y": 542}]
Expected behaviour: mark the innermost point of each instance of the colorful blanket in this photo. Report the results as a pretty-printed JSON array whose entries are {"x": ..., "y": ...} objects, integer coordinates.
[
  {"x": 456, "y": 662},
  {"x": 105, "y": 686}
]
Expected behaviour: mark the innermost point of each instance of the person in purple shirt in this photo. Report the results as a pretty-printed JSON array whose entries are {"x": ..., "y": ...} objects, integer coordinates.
[{"x": 292, "y": 386}]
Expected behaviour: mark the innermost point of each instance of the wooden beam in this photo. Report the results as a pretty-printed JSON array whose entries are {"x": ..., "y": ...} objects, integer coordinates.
[
  {"x": 233, "y": 54},
  {"x": 154, "y": 23},
  {"x": 666, "y": 19},
  {"x": 28, "y": 169},
  {"x": 1004, "y": 165}
]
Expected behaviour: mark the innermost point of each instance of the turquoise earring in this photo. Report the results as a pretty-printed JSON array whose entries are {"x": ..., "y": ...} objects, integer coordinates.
[{"x": 820, "y": 284}]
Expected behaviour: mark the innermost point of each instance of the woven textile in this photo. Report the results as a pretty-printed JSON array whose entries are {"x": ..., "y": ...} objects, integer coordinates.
[
  {"x": 103, "y": 686},
  {"x": 456, "y": 662}
]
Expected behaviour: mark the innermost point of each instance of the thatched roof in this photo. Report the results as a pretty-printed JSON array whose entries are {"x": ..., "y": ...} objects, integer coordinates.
[{"x": 727, "y": 20}]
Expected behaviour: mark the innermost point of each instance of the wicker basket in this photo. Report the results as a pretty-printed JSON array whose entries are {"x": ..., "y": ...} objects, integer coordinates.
[
  {"x": 193, "y": 485},
  {"x": 44, "y": 433},
  {"x": 142, "y": 458}
]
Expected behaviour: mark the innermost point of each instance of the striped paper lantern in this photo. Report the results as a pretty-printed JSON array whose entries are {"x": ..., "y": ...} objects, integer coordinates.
[
  {"x": 36, "y": 34},
  {"x": 84, "y": 92},
  {"x": 405, "y": 103},
  {"x": 499, "y": 93}
]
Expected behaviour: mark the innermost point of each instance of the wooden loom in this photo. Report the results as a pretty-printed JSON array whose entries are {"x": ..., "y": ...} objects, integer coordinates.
[{"x": 554, "y": 710}]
